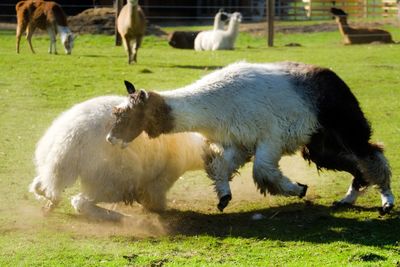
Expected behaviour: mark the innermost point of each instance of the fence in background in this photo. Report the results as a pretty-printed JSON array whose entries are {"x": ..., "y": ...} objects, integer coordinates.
[{"x": 253, "y": 10}]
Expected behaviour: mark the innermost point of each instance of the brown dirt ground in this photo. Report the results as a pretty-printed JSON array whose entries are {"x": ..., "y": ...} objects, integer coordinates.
[{"x": 101, "y": 21}]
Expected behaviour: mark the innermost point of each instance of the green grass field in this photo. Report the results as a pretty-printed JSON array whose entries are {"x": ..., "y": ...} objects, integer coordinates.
[{"x": 34, "y": 89}]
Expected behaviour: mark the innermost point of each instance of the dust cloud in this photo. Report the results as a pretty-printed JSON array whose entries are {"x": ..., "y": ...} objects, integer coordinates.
[{"x": 194, "y": 192}]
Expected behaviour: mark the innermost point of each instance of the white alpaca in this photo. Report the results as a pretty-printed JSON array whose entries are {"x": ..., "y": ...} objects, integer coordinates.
[
  {"x": 185, "y": 39},
  {"x": 219, "y": 39},
  {"x": 75, "y": 146},
  {"x": 265, "y": 111}
]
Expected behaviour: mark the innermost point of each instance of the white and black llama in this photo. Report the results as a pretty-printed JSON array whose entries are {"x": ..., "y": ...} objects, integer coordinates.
[{"x": 265, "y": 111}]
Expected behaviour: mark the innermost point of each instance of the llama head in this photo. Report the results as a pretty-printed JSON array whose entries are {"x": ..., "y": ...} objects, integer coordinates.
[
  {"x": 129, "y": 117},
  {"x": 339, "y": 14},
  {"x": 236, "y": 17},
  {"x": 67, "y": 38},
  {"x": 68, "y": 42},
  {"x": 224, "y": 16}
]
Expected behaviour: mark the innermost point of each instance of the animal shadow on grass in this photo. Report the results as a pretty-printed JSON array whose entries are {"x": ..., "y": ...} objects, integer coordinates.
[
  {"x": 196, "y": 67},
  {"x": 293, "y": 222},
  {"x": 94, "y": 56}
]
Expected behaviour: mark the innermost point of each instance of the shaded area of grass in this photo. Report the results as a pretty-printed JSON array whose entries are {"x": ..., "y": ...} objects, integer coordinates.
[{"x": 296, "y": 222}]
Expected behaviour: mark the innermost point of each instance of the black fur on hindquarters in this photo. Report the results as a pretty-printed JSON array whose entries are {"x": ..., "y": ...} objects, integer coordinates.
[
  {"x": 342, "y": 142},
  {"x": 344, "y": 133},
  {"x": 328, "y": 151},
  {"x": 223, "y": 202}
]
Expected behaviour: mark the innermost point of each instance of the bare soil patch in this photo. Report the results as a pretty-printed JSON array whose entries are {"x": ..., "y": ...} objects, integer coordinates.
[{"x": 102, "y": 21}]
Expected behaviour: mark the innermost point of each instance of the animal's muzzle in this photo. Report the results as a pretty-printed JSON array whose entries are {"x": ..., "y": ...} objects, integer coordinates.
[
  {"x": 112, "y": 140},
  {"x": 115, "y": 141}
]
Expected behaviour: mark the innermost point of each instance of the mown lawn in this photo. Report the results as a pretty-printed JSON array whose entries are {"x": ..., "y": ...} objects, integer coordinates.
[{"x": 34, "y": 89}]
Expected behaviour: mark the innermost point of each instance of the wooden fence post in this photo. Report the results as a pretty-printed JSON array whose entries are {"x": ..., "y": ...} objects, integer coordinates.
[
  {"x": 270, "y": 17},
  {"x": 118, "y": 6}
]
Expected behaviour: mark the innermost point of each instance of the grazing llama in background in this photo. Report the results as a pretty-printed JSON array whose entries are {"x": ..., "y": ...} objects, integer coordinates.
[
  {"x": 75, "y": 145},
  {"x": 219, "y": 39},
  {"x": 265, "y": 111},
  {"x": 32, "y": 14},
  {"x": 185, "y": 39},
  {"x": 358, "y": 35},
  {"x": 131, "y": 26}
]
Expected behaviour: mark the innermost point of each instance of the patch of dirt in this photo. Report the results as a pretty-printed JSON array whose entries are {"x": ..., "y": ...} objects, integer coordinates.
[
  {"x": 102, "y": 21},
  {"x": 260, "y": 29}
]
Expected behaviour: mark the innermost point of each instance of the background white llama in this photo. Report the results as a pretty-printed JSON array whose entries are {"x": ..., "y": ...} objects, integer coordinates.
[{"x": 219, "y": 39}]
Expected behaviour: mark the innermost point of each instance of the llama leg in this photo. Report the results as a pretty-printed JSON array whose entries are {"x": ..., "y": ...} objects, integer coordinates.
[
  {"x": 53, "y": 196},
  {"x": 374, "y": 170},
  {"x": 268, "y": 177},
  {"x": 88, "y": 208},
  {"x": 127, "y": 46},
  {"x": 327, "y": 151},
  {"x": 377, "y": 171},
  {"x": 221, "y": 168},
  {"x": 20, "y": 29},
  {"x": 136, "y": 47},
  {"x": 51, "y": 181},
  {"x": 355, "y": 190},
  {"x": 52, "y": 35},
  {"x": 29, "y": 33},
  {"x": 153, "y": 195}
]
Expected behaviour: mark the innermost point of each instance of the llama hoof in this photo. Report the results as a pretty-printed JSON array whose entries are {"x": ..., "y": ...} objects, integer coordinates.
[
  {"x": 48, "y": 207},
  {"x": 223, "y": 202},
  {"x": 304, "y": 191},
  {"x": 386, "y": 208}
]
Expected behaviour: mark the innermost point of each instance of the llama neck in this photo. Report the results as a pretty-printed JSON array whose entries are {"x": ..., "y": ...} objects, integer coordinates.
[
  {"x": 233, "y": 28},
  {"x": 132, "y": 9},
  {"x": 190, "y": 110},
  {"x": 344, "y": 27},
  {"x": 218, "y": 24},
  {"x": 64, "y": 32},
  {"x": 159, "y": 119}
]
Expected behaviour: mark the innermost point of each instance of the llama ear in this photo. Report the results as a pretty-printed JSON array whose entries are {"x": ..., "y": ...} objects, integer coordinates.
[
  {"x": 143, "y": 95},
  {"x": 129, "y": 87}
]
